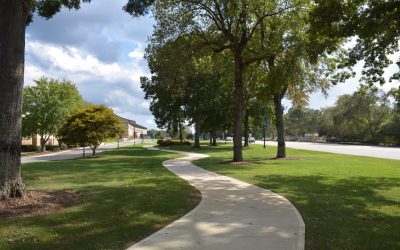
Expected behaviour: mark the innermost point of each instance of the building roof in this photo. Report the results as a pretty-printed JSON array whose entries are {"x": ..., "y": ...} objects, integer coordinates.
[{"x": 132, "y": 122}]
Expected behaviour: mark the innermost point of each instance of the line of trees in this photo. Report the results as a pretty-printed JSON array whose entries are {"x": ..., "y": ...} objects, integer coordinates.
[
  {"x": 221, "y": 64},
  {"x": 263, "y": 50},
  {"x": 268, "y": 50},
  {"x": 55, "y": 108},
  {"x": 371, "y": 117}
]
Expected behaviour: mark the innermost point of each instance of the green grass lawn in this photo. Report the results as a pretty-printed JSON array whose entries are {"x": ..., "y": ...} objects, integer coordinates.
[
  {"x": 127, "y": 195},
  {"x": 347, "y": 202}
]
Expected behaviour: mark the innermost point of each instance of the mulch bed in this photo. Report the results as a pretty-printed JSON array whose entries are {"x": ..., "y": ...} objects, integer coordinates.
[
  {"x": 284, "y": 159},
  {"x": 38, "y": 202}
]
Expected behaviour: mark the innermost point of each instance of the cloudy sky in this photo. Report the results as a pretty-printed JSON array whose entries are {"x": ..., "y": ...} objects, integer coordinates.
[{"x": 100, "y": 48}]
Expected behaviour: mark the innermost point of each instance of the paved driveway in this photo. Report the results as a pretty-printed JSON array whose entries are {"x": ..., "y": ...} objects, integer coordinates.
[{"x": 371, "y": 151}]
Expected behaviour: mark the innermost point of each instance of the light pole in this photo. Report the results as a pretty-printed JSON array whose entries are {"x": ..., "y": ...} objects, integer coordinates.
[{"x": 134, "y": 135}]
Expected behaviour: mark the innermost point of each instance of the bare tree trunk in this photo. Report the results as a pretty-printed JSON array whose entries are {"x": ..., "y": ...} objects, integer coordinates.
[
  {"x": 239, "y": 103},
  {"x": 280, "y": 126},
  {"x": 13, "y": 17},
  {"x": 246, "y": 128},
  {"x": 180, "y": 132},
  {"x": 196, "y": 137},
  {"x": 43, "y": 141},
  {"x": 214, "y": 139},
  {"x": 210, "y": 135}
]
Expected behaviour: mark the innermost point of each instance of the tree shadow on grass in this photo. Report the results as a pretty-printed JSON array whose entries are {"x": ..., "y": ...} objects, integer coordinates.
[
  {"x": 135, "y": 151},
  {"x": 350, "y": 213},
  {"x": 204, "y": 149},
  {"x": 125, "y": 199}
]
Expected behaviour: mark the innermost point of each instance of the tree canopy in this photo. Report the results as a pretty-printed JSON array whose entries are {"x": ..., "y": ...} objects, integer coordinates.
[
  {"x": 91, "y": 126},
  {"x": 372, "y": 24},
  {"x": 46, "y": 106}
]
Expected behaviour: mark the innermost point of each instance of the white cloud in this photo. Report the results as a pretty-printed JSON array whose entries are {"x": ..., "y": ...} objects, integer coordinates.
[
  {"x": 137, "y": 54},
  {"x": 115, "y": 84},
  {"x": 73, "y": 62}
]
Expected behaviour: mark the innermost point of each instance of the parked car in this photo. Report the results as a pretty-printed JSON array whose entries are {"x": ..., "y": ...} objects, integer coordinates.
[
  {"x": 229, "y": 138},
  {"x": 252, "y": 139}
]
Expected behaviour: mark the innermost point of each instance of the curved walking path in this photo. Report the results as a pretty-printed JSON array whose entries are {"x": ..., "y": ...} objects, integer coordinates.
[{"x": 231, "y": 215}]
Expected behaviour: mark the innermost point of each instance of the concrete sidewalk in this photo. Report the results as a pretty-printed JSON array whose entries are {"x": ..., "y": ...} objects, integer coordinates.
[
  {"x": 232, "y": 215},
  {"x": 73, "y": 154}
]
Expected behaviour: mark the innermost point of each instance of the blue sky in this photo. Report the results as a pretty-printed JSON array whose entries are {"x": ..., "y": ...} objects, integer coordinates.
[{"x": 100, "y": 48}]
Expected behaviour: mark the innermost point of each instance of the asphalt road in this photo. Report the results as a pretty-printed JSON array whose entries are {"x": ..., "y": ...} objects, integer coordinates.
[
  {"x": 75, "y": 153},
  {"x": 360, "y": 150}
]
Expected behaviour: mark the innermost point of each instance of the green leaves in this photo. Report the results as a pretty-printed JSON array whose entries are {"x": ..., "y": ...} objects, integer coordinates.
[
  {"x": 46, "y": 105},
  {"x": 48, "y": 8},
  {"x": 138, "y": 7},
  {"x": 373, "y": 23},
  {"x": 91, "y": 126}
]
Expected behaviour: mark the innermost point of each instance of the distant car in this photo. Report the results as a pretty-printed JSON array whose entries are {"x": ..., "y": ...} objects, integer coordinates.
[
  {"x": 229, "y": 138},
  {"x": 252, "y": 139}
]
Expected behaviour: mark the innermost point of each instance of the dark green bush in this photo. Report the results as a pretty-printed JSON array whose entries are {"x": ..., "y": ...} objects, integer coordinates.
[
  {"x": 52, "y": 148},
  {"x": 169, "y": 143},
  {"x": 29, "y": 148}
]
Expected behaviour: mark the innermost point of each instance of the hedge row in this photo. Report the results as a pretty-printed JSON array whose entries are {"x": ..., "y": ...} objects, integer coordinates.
[{"x": 33, "y": 148}]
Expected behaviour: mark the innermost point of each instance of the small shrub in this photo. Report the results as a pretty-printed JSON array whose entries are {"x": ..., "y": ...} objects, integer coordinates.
[
  {"x": 170, "y": 143},
  {"x": 52, "y": 148}
]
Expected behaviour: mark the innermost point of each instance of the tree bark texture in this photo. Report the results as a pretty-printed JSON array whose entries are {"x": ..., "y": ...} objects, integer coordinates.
[
  {"x": 239, "y": 103},
  {"x": 280, "y": 126},
  {"x": 196, "y": 137},
  {"x": 214, "y": 139},
  {"x": 13, "y": 17},
  {"x": 180, "y": 132},
  {"x": 246, "y": 128}
]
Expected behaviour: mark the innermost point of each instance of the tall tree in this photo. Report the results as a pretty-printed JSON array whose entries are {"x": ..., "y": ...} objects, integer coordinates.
[
  {"x": 46, "y": 106},
  {"x": 14, "y": 16},
  {"x": 288, "y": 70}
]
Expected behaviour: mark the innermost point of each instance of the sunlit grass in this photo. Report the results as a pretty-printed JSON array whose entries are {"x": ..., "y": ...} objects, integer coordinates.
[
  {"x": 347, "y": 202},
  {"x": 127, "y": 195}
]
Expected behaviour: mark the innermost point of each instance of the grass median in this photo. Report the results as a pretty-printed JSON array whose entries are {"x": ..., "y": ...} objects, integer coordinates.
[
  {"x": 347, "y": 202},
  {"x": 126, "y": 195}
]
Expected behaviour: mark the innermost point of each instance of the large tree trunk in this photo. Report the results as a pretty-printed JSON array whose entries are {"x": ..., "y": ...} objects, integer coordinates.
[
  {"x": 280, "y": 126},
  {"x": 239, "y": 103},
  {"x": 214, "y": 139},
  {"x": 196, "y": 137},
  {"x": 13, "y": 17},
  {"x": 246, "y": 128}
]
